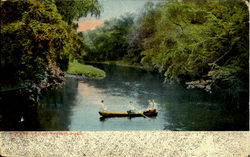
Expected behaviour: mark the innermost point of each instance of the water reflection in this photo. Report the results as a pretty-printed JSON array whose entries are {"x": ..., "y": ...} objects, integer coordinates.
[
  {"x": 55, "y": 107},
  {"x": 76, "y": 106}
]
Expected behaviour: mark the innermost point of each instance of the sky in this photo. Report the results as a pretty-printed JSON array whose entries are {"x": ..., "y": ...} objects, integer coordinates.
[{"x": 116, "y": 8}]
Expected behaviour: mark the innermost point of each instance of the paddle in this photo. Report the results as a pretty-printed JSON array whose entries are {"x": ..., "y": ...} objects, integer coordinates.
[{"x": 140, "y": 112}]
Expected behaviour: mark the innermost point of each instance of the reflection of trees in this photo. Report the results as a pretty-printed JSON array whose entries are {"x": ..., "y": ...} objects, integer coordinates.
[
  {"x": 52, "y": 113},
  {"x": 180, "y": 109},
  {"x": 15, "y": 104},
  {"x": 195, "y": 111},
  {"x": 55, "y": 109},
  {"x": 127, "y": 81}
]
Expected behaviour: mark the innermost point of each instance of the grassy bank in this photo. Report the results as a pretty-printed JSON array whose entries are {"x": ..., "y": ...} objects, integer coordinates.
[
  {"x": 76, "y": 68},
  {"x": 124, "y": 63}
]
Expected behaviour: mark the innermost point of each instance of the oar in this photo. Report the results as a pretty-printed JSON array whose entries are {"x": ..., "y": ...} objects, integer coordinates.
[{"x": 140, "y": 112}]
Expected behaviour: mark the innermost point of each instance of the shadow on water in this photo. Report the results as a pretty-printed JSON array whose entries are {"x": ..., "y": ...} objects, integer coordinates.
[
  {"x": 103, "y": 119},
  {"x": 75, "y": 106},
  {"x": 55, "y": 109},
  {"x": 18, "y": 112},
  {"x": 130, "y": 82}
]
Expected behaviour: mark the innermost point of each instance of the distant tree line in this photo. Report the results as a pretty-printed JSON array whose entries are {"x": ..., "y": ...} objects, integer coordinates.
[{"x": 108, "y": 42}]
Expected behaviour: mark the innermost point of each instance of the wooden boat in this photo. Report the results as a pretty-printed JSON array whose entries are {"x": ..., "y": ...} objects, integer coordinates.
[{"x": 149, "y": 113}]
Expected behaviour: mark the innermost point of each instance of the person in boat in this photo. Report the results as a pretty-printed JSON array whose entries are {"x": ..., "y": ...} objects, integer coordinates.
[
  {"x": 132, "y": 108},
  {"x": 104, "y": 108},
  {"x": 152, "y": 105}
]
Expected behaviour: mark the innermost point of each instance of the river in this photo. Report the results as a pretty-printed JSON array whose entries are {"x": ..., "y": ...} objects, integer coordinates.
[{"x": 75, "y": 106}]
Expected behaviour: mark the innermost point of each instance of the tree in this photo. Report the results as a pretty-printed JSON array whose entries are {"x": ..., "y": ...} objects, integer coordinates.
[
  {"x": 196, "y": 40},
  {"x": 109, "y": 41},
  {"x": 74, "y": 9},
  {"x": 34, "y": 41}
]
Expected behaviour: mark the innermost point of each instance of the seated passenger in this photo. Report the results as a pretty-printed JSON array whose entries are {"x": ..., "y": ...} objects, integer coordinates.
[
  {"x": 131, "y": 107},
  {"x": 104, "y": 108}
]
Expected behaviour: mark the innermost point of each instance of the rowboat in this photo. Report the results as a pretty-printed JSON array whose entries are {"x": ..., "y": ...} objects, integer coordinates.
[{"x": 148, "y": 113}]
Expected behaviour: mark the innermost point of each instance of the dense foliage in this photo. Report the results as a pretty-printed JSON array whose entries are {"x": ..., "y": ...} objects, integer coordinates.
[
  {"x": 36, "y": 36},
  {"x": 108, "y": 42},
  {"x": 198, "y": 40},
  {"x": 193, "y": 39},
  {"x": 188, "y": 41},
  {"x": 72, "y": 10}
]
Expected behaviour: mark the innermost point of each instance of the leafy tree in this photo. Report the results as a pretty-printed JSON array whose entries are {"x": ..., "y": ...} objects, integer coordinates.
[
  {"x": 141, "y": 31},
  {"x": 74, "y": 9},
  {"x": 36, "y": 40},
  {"x": 190, "y": 36},
  {"x": 108, "y": 42}
]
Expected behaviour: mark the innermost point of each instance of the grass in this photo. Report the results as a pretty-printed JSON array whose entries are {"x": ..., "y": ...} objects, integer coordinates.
[
  {"x": 125, "y": 63},
  {"x": 76, "y": 68}
]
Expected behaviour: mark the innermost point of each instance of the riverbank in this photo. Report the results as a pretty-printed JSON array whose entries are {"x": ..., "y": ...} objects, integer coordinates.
[
  {"x": 76, "y": 68},
  {"x": 122, "y": 63}
]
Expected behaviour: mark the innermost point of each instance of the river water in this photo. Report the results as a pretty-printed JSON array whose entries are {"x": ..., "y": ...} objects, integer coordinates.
[{"x": 75, "y": 106}]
